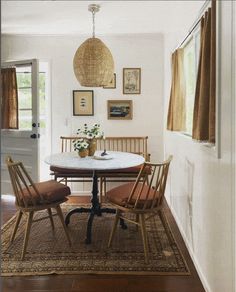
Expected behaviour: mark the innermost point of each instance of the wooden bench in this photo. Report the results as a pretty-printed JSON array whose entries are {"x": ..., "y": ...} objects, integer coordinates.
[{"x": 137, "y": 145}]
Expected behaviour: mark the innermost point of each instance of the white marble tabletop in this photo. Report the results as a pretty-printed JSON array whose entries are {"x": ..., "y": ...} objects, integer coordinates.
[{"x": 114, "y": 160}]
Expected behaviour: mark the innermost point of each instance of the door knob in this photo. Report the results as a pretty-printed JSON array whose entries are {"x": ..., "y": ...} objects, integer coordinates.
[{"x": 33, "y": 136}]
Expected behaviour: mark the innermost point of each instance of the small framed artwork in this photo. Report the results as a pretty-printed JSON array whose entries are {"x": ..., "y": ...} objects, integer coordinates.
[
  {"x": 112, "y": 84},
  {"x": 83, "y": 103},
  {"x": 119, "y": 109},
  {"x": 131, "y": 80}
]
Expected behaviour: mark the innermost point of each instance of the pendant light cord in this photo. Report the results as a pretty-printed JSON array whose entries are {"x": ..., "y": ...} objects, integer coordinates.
[
  {"x": 93, "y": 8},
  {"x": 93, "y": 12}
]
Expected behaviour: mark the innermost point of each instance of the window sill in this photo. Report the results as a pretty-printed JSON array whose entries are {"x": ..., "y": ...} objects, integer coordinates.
[{"x": 205, "y": 146}]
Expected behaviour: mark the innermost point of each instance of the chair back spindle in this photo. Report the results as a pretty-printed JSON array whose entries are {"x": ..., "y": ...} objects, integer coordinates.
[{"x": 148, "y": 190}]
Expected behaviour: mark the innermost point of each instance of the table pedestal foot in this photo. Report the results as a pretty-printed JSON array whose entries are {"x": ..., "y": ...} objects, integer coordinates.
[
  {"x": 76, "y": 210},
  {"x": 108, "y": 210},
  {"x": 89, "y": 228}
]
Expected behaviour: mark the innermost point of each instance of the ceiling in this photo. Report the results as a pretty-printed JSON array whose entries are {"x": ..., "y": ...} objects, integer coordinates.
[{"x": 115, "y": 17}]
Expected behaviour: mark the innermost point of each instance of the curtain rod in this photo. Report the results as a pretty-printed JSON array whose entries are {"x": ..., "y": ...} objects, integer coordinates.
[
  {"x": 15, "y": 65},
  {"x": 196, "y": 22}
]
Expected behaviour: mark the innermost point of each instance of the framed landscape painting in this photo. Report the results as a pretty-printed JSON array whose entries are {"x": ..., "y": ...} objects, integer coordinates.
[
  {"x": 119, "y": 109},
  {"x": 83, "y": 103},
  {"x": 131, "y": 80},
  {"x": 112, "y": 84}
]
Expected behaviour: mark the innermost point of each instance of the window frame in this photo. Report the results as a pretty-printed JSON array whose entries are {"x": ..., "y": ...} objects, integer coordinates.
[{"x": 192, "y": 37}]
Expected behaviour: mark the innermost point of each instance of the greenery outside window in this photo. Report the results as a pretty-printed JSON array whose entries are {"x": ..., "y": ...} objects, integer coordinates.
[
  {"x": 191, "y": 58},
  {"x": 24, "y": 84}
]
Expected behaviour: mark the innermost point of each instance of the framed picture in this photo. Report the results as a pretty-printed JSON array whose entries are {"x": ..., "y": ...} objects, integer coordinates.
[
  {"x": 112, "y": 84},
  {"x": 131, "y": 80},
  {"x": 83, "y": 103},
  {"x": 119, "y": 109}
]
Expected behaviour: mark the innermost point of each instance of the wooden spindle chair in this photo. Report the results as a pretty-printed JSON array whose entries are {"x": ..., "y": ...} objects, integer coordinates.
[
  {"x": 143, "y": 198},
  {"x": 31, "y": 197}
]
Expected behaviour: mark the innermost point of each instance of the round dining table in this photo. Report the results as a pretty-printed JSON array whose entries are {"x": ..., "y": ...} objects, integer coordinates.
[{"x": 113, "y": 160}]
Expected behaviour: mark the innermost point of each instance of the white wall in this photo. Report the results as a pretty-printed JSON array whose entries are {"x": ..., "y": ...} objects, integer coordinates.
[
  {"x": 145, "y": 51},
  {"x": 200, "y": 186}
]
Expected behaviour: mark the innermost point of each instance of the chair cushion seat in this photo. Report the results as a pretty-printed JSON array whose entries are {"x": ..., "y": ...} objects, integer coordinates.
[
  {"x": 61, "y": 170},
  {"x": 120, "y": 195},
  {"x": 132, "y": 170},
  {"x": 51, "y": 191}
]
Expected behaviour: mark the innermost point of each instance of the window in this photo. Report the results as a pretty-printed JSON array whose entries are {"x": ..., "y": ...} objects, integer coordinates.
[
  {"x": 24, "y": 84},
  {"x": 191, "y": 58}
]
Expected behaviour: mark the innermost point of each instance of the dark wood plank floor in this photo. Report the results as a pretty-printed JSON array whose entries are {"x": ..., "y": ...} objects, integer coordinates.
[{"x": 102, "y": 283}]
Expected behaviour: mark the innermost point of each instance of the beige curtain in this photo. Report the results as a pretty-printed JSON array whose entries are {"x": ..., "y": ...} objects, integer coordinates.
[
  {"x": 205, "y": 96},
  {"x": 9, "y": 109},
  {"x": 176, "y": 111}
]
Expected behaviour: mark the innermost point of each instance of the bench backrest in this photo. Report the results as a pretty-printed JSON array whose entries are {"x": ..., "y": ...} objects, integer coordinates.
[{"x": 137, "y": 145}]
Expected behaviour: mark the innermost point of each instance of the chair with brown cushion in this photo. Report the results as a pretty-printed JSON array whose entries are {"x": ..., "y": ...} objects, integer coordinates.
[
  {"x": 136, "y": 145},
  {"x": 142, "y": 198},
  {"x": 32, "y": 197}
]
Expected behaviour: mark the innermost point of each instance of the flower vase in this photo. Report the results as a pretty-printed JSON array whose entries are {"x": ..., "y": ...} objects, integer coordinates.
[
  {"x": 83, "y": 153},
  {"x": 92, "y": 147}
]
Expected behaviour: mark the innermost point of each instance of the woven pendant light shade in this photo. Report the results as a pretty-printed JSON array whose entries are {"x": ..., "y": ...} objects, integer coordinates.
[{"x": 93, "y": 63}]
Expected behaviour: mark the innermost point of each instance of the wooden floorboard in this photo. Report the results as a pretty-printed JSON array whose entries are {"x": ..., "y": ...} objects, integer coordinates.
[{"x": 102, "y": 283}]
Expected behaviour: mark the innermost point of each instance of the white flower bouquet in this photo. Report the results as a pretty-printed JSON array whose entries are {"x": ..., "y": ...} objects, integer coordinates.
[
  {"x": 80, "y": 144},
  {"x": 93, "y": 132}
]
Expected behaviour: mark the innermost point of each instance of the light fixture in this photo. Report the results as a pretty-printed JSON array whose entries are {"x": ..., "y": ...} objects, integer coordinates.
[{"x": 93, "y": 62}]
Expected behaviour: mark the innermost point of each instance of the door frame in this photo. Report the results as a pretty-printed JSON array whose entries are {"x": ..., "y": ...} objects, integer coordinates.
[{"x": 34, "y": 63}]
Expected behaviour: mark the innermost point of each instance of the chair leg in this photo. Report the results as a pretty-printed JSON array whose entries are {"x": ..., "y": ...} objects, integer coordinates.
[
  {"x": 114, "y": 227},
  {"x": 18, "y": 218},
  {"x": 137, "y": 220},
  {"x": 51, "y": 218},
  {"x": 59, "y": 212},
  {"x": 144, "y": 236},
  {"x": 27, "y": 232}
]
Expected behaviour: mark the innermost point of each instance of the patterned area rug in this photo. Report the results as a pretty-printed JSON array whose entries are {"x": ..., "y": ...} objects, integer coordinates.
[{"x": 48, "y": 252}]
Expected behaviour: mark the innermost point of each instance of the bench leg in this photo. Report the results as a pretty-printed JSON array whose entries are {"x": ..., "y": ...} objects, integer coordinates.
[
  {"x": 101, "y": 189},
  {"x": 105, "y": 186}
]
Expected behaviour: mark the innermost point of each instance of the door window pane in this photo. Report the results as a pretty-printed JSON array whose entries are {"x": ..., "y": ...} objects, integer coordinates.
[
  {"x": 24, "y": 98},
  {"x": 25, "y": 119},
  {"x": 24, "y": 78},
  {"x": 24, "y": 84}
]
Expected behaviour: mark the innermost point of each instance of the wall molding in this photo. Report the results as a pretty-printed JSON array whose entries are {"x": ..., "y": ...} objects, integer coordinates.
[
  {"x": 191, "y": 252},
  {"x": 80, "y": 193}
]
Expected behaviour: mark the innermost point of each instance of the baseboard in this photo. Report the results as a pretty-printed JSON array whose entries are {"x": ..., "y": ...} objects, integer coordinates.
[
  {"x": 80, "y": 193},
  {"x": 192, "y": 255}
]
